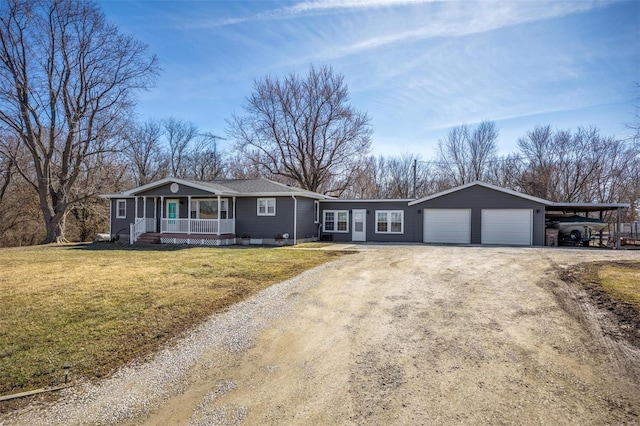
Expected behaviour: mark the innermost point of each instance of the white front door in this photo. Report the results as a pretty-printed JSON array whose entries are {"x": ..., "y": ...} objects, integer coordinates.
[{"x": 359, "y": 228}]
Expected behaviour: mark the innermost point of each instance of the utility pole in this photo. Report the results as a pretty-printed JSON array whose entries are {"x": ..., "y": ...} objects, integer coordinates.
[{"x": 415, "y": 164}]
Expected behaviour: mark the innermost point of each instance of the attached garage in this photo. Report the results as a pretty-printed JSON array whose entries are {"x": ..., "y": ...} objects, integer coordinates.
[
  {"x": 481, "y": 213},
  {"x": 507, "y": 226},
  {"x": 452, "y": 226}
]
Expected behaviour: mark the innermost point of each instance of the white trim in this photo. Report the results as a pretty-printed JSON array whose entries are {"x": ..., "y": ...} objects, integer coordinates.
[
  {"x": 486, "y": 185},
  {"x": 118, "y": 209},
  {"x": 316, "y": 211},
  {"x": 389, "y": 213},
  {"x": 295, "y": 219},
  {"x": 335, "y": 221},
  {"x": 266, "y": 206}
]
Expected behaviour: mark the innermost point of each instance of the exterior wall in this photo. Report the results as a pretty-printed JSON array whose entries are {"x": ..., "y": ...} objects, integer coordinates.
[
  {"x": 412, "y": 220},
  {"x": 477, "y": 198},
  {"x": 183, "y": 191},
  {"x": 307, "y": 228},
  {"x": 266, "y": 227},
  {"x": 121, "y": 226}
]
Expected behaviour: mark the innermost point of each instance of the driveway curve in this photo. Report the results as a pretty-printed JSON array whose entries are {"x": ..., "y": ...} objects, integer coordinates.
[{"x": 389, "y": 335}]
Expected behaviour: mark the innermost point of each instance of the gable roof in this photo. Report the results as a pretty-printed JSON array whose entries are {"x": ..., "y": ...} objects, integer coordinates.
[
  {"x": 485, "y": 185},
  {"x": 228, "y": 187}
]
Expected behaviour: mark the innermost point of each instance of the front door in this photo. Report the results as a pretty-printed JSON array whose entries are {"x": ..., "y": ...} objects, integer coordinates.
[
  {"x": 359, "y": 228},
  {"x": 173, "y": 213}
]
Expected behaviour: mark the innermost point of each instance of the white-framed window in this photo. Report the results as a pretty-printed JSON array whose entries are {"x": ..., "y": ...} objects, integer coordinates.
[
  {"x": 266, "y": 206},
  {"x": 207, "y": 208},
  {"x": 389, "y": 222},
  {"x": 316, "y": 211},
  {"x": 121, "y": 209},
  {"x": 335, "y": 221}
]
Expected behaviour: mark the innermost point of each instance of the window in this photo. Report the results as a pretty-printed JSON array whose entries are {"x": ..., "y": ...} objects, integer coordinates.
[
  {"x": 208, "y": 209},
  {"x": 266, "y": 206},
  {"x": 389, "y": 222},
  {"x": 336, "y": 221},
  {"x": 316, "y": 211},
  {"x": 121, "y": 209}
]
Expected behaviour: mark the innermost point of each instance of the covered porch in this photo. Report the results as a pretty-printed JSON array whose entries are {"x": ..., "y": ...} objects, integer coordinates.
[{"x": 204, "y": 217}]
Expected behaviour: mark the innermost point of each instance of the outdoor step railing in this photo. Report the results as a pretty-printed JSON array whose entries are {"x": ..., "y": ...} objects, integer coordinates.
[{"x": 139, "y": 227}]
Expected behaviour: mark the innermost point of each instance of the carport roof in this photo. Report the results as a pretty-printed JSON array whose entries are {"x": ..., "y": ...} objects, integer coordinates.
[{"x": 586, "y": 207}]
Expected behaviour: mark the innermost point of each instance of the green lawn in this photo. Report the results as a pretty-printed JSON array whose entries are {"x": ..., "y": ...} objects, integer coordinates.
[{"x": 97, "y": 307}]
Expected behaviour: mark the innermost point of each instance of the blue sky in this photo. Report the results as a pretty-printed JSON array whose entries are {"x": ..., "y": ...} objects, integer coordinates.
[{"x": 416, "y": 67}]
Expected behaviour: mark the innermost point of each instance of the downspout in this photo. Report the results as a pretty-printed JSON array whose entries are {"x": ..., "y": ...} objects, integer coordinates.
[{"x": 295, "y": 219}]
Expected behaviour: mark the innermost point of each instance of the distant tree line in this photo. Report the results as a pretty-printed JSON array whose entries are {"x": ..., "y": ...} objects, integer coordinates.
[{"x": 68, "y": 81}]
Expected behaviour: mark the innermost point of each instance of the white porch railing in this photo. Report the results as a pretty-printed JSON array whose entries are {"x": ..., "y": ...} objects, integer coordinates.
[
  {"x": 197, "y": 226},
  {"x": 140, "y": 227}
]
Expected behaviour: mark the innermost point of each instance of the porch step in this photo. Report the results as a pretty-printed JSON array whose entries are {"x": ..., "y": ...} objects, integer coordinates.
[{"x": 148, "y": 238}]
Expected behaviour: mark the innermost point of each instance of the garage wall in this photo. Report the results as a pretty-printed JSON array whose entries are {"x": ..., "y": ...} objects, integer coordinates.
[{"x": 479, "y": 197}]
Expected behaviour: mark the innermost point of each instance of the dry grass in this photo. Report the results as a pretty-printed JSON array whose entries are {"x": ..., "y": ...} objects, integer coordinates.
[
  {"x": 314, "y": 245},
  {"x": 622, "y": 281},
  {"x": 97, "y": 309}
]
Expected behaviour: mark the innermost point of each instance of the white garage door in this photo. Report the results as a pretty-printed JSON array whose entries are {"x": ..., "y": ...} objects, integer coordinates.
[
  {"x": 447, "y": 226},
  {"x": 509, "y": 226}
]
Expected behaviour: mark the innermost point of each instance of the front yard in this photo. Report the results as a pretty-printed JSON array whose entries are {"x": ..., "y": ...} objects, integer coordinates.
[{"x": 99, "y": 307}]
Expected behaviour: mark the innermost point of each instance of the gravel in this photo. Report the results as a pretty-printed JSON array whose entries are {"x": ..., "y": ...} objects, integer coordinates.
[{"x": 135, "y": 390}]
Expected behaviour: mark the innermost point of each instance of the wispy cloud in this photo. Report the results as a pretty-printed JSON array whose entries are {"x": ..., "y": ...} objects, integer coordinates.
[
  {"x": 305, "y": 8},
  {"x": 462, "y": 21}
]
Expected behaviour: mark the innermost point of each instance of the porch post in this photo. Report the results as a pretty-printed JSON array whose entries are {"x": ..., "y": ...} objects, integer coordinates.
[
  {"x": 619, "y": 228},
  {"x": 144, "y": 208},
  {"x": 161, "y": 211},
  {"x": 136, "y": 215},
  {"x": 189, "y": 214},
  {"x": 234, "y": 215},
  {"x": 155, "y": 214},
  {"x": 600, "y": 233},
  {"x": 219, "y": 214}
]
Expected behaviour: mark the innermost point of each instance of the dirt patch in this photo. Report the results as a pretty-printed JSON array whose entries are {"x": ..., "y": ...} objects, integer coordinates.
[{"x": 621, "y": 320}]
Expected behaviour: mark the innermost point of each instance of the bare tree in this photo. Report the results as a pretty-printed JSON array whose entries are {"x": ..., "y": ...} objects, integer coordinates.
[
  {"x": 180, "y": 135},
  {"x": 205, "y": 161},
  {"x": 465, "y": 154},
  {"x": 303, "y": 130},
  {"x": 67, "y": 77},
  {"x": 144, "y": 152}
]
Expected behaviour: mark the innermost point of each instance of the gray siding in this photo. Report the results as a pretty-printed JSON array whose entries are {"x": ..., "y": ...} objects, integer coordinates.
[
  {"x": 248, "y": 221},
  {"x": 412, "y": 220},
  {"x": 307, "y": 228},
  {"x": 477, "y": 198},
  {"x": 121, "y": 226}
]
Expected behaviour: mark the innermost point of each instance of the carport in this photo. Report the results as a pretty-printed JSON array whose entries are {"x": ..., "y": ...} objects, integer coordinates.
[{"x": 586, "y": 208}]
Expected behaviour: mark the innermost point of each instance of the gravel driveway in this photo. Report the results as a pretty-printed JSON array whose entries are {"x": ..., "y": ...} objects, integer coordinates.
[{"x": 390, "y": 335}]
